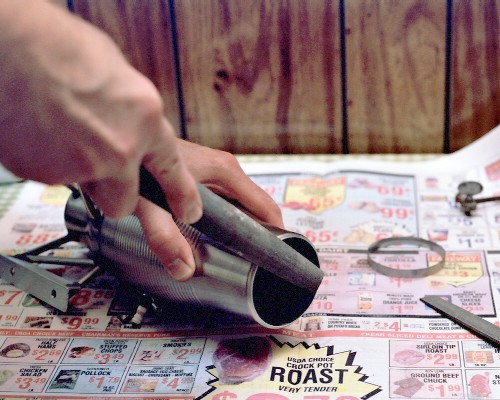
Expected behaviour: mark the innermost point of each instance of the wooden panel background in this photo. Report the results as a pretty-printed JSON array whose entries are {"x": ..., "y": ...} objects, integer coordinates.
[
  {"x": 395, "y": 53},
  {"x": 475, "y": 106},
  {"x": 315, "y": 76}
]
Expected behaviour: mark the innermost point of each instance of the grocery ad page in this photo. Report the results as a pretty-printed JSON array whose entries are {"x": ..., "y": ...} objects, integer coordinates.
[{"x": 365, "y": 335}]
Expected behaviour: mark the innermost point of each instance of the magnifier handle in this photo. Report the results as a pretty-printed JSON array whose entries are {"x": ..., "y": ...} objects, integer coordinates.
[{"x": 485, "y": 199}]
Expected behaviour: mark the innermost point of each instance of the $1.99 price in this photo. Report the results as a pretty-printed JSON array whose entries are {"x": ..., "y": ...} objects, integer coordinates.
[{"x": 445, "y": 390}]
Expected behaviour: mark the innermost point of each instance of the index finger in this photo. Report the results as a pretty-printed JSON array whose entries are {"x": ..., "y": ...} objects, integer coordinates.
[{"x": 165, "y": 163}]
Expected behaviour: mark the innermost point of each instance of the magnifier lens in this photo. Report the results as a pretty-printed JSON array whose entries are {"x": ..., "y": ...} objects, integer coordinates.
[{"x": 470, "y": 188}]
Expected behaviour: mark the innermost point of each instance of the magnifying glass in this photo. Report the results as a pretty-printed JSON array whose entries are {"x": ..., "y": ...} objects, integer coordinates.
[{"x": 465, "y": 196}]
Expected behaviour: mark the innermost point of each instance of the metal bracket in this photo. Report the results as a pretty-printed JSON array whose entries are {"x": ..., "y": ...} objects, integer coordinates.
[{"x": 40, "y": 283}]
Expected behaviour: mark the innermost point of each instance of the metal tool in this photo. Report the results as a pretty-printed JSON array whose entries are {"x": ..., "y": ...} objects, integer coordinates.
[
  {"x": 225, "y": 276},
  {"x": 465, "y": 196},
  {"x": 472, "y": 322}
]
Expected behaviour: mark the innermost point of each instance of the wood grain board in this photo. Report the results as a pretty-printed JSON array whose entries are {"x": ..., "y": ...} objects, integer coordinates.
[{"x": 282, "y": 77}]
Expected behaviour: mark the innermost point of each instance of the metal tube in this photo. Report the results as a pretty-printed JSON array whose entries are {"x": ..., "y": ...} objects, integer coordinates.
[
  {"x": 229, "y": 226},
  {"x": 222, "y": 279}
]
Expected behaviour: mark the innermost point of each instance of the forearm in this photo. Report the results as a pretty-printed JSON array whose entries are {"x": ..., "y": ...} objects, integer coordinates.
[{"x": 55, "y": 70}]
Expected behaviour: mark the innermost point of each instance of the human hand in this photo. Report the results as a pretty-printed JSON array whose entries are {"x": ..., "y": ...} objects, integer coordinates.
[
  {"x": 221, "y": 172},
  {"x": 73, "y": 110}
]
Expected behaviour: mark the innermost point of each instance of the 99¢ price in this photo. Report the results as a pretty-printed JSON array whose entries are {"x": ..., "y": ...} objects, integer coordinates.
[{"x": 398, "y": 213}]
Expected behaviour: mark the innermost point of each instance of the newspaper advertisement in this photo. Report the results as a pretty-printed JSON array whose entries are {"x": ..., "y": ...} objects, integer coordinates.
[{"x": 364, "y": 336}]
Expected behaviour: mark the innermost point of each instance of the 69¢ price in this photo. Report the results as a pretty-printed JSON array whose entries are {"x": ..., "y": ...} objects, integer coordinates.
[{"x": 385, "y": 190}]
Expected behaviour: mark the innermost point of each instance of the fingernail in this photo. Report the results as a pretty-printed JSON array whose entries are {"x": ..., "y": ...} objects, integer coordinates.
[
  {"x": 193, "y": 213},
  {"x": 179, "y": 270}
]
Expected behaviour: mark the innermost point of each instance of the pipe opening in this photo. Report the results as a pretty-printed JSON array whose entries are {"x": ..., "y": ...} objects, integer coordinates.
[{"x": 276, "y": 301}]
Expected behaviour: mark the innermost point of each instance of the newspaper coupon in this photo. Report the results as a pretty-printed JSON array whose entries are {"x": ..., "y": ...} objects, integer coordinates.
[{"x": 365, "y": 335}]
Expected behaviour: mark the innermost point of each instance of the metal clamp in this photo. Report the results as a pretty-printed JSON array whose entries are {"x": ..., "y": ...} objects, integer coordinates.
[{"x": 406, "y": 273}]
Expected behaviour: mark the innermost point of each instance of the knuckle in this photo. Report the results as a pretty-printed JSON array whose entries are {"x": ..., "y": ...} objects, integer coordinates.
[
  {"x": 150, "y": 104},
  {"x": 164, "y": 243},
  {"x": 224, "y": 162},
  {"x": 229, "y": 159}
]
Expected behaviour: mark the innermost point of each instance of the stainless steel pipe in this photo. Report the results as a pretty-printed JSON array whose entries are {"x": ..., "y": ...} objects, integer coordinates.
[{"x": 222, "y": 279}]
